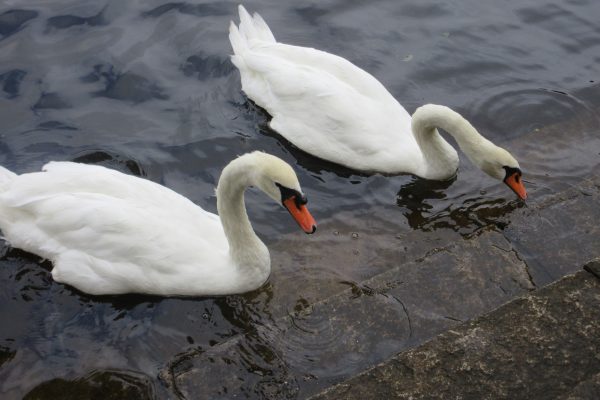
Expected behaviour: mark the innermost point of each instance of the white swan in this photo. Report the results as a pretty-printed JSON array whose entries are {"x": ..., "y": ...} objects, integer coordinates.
[
  {"x": 111, "y": 233},
  {"x": 336, "y": 111}
]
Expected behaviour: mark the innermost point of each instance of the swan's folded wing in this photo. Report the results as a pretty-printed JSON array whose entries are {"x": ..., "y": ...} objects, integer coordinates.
[
  {"x": 322, "y": 108},
  {"x": 107, "y": 237},
  {"x": 336, "y": 66},
  {"x": 111, "y": 228}
]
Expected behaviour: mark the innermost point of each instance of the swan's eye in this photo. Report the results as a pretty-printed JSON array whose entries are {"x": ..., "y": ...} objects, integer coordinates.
[
  {"x": 301, "y": 199},
  {"x": 287, "y": 193},
  {"x": 510, "y": 171}
]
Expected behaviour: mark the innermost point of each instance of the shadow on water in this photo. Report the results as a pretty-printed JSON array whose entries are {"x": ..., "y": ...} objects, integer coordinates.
[
  {"x": 111, "y": 161},
  {"x": 13, "y": 21},
  {"x": 203, "y": 10},
  {"x": 96, "y": 385},
  {"x": 205, "y": 67},
  {"x": 68, "y": 21},
  {"x": 125, "y": 86},
  {"x": 11, "y": 82}
]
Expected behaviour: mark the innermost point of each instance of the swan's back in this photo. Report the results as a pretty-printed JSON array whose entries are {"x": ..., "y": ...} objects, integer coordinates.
[
  {"x": 323, "y": 103},
  {"x": 108, "y": 233}
]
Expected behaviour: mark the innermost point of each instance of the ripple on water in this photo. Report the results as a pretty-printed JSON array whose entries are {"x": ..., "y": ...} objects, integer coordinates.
[
  {"x": 515, "y": 113},
  {"x": 333, "y": 339},
  {"x": 551, "y": 132},
  {"x": 247, "y": 367}
]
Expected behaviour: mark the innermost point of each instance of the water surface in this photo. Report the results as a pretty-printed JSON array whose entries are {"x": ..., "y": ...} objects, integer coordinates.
[{"x": 147, "y": 87}]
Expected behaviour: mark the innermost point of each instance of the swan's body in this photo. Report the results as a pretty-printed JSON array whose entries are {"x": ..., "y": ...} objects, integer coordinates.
[
  {"x": 112, "y": 233},
  {"x": 336, "y": 111}
]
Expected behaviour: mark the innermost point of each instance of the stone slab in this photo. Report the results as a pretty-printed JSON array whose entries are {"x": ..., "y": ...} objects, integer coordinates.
[
  {"x": 541, "y": 346},
  {"x": 559, "y": 234}
]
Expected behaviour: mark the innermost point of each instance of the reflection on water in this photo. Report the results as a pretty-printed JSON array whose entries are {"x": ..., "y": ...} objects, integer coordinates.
[
  {"x": 466, "y": 218},
  {"x": 146, "y": 87}
]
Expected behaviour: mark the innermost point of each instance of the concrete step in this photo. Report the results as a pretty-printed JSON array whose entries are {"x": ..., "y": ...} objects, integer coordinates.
[
  {"x": 543, "y": 345},
  {"x": 339, "y": 329}
]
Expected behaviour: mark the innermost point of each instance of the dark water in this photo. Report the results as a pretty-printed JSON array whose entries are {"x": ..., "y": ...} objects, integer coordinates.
[{"x": 146, "y": 87}]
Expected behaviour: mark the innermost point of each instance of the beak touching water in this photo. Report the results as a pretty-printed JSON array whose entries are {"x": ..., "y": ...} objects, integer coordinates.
[
  {"x": 513, "y": 180},
  {"x": 296, "y": 205}
]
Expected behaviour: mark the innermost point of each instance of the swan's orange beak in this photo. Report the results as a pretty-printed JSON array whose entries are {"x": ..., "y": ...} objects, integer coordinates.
[
  {"x": 515, "y": 182},
  {"x": 300, "y": 214}
]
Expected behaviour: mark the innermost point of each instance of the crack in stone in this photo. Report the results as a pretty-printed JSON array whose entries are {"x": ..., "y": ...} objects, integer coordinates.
[
  {"x": 407, "y": 315},
  {"x": 453, "y": 319},
  {"x": 369, "y": 291},
  {"x": 525, "y": 266}
]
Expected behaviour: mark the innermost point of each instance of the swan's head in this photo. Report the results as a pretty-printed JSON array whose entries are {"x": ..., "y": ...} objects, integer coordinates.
[
  {"x": 500, "y": 164},
  {"x": 278, "y": 180}
]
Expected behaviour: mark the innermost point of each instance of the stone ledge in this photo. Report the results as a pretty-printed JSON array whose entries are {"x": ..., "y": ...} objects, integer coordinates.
[{"x": 540, "y": 346}]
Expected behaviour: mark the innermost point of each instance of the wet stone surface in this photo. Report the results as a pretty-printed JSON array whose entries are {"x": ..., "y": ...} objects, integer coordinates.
[
  {"x": 540, "y": 346},
  {"x": 413, "y": 294},
  {"x": 559, "y": 234}
]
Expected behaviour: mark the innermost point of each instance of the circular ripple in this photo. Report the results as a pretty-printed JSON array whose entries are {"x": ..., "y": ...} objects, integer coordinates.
[
  {"x": 337, "y": 337},
  {"x": 510, "y": 114}
]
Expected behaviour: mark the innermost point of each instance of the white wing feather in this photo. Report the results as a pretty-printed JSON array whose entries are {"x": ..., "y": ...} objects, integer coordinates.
[{"x": 107, "y": 232}]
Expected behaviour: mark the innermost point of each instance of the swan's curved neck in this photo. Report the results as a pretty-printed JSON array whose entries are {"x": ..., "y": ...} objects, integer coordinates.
[
  {"x": 440, "y": 158},
  {"x": 245, "y": 248}
]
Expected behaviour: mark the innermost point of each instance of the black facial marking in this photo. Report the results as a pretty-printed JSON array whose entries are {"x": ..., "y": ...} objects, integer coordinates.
[
  {"x": 510, "y": 171},
  {"x": 286, "y": 193}
]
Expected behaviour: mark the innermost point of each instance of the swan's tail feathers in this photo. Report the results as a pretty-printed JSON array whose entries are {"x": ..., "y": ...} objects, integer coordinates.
[
  {"x": 238, "y": 44},
  {"x": 6, "y": 177},
  {"x": 251, "y": 28},
  {"x": 262, "y": 29}
]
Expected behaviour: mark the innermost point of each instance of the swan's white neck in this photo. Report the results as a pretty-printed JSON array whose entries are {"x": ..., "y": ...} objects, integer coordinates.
[
  {"x": 247, "y": 251},
  {"x": 440, "y": 159}
]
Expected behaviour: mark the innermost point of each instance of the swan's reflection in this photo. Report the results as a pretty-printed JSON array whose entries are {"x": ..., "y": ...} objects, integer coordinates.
[{"x": 465, "y": 217}]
